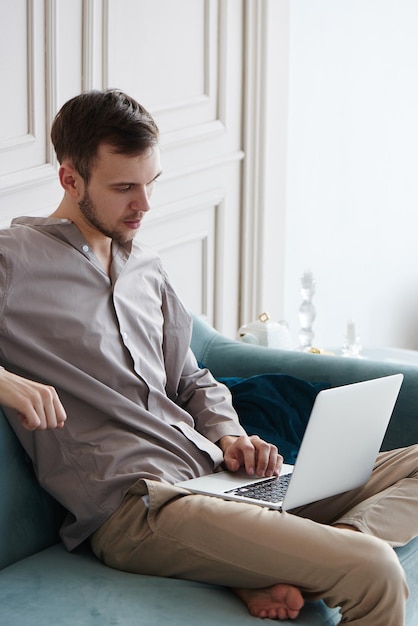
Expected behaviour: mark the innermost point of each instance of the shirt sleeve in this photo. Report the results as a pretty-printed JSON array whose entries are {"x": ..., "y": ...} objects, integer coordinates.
[
  {"x": 208, "y": 401},
  {"x": 194, "y": 389}
]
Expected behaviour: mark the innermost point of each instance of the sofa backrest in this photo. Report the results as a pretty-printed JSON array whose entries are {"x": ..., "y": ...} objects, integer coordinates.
[
  {"x": 228, "y": 358},
  {"x": 29, "y": 517}
]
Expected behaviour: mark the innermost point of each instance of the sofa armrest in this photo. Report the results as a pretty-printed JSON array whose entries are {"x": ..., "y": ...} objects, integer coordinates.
[
  {"x": 29, "y": 517},
  {"x": 225, "y": 357}
]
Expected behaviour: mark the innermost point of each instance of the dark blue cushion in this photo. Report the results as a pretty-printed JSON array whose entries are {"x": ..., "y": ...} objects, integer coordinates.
[{"x": 276, "y": 407}]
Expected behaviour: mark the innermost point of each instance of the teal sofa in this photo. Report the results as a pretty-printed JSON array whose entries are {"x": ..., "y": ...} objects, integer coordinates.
[{"x": 43, "y": 585}]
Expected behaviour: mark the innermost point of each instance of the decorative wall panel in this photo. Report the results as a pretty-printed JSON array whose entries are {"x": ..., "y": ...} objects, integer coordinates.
[
  {"x": 27, "y": 169},
  {"x": 184, "y": 61}
]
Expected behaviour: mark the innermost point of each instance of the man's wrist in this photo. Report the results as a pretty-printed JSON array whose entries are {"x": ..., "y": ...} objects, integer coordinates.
[{"x": 226, "y": 440}]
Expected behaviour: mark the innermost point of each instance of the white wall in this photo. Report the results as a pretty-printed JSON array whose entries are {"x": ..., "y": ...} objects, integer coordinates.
[
  {"x": 333, "y": 80},
  {"x": 352, "y": 168}
]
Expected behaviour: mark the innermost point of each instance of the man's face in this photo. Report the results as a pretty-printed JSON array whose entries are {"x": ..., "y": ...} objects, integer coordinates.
[{"x": 118, "y": 194}]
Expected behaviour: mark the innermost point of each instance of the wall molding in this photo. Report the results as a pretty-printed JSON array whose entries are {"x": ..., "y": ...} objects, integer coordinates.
[
  {"x": 87, "y": 45},
  {"x": 204, "y": 165},
  {"x": 41, "y": 106},
  {"x": 265, "y": 121},
  {"x": 207, "y": 247},
  {"x": 253, "y": 138},
  {"x": 193, "y": 219},
  {"x": 27, "y": 179},
  {"x": 105, "y": 44},
  {"x": 186, "y": 205},
  {"x": 30, "y": 34},
  {"x": 22, "y": 141},
  {"x": 51, "y": 72}
]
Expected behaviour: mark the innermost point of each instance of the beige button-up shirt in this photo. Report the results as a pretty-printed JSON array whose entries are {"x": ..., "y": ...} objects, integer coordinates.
[{"x": 117, "y": 351}]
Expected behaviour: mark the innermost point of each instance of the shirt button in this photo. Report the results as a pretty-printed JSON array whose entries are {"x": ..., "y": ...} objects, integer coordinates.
[
  {"x": 125, "y": 336},
  {"x": 85, "y": 248}
]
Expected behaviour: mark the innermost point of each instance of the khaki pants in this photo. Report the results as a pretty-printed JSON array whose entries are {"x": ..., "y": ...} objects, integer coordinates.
[{"x": 246, "y": 546}]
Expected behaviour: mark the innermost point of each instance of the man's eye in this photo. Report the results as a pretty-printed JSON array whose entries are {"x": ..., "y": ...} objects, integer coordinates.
[{"x": 125, "y": 188}]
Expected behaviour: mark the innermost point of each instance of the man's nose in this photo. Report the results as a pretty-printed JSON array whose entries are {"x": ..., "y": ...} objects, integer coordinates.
[{"x": 141, "y": 202}]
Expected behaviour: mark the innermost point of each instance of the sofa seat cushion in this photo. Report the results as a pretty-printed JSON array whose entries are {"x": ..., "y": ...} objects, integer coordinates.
[{"x": 55, "y": 587}]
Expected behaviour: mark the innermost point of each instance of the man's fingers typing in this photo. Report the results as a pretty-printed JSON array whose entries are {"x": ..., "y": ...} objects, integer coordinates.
[
  {"x": 257, "y": 456},
  {"x": 267, "y": 458}
]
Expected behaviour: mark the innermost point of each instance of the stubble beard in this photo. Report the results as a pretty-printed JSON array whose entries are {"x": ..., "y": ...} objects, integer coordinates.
[{"x": 91, "y": 215}]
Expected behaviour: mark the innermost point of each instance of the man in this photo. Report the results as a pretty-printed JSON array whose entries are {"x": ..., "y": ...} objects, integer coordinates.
[{"x": 89, "y": 311}]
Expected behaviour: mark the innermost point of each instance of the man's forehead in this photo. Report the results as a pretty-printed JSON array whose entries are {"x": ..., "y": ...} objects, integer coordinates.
[
  {"x": 108, "y": 158},
  {"x": 106, "y": 150}
]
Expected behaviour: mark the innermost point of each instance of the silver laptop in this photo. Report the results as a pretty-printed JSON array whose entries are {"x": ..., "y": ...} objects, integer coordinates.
[{"x": 342, "y": 439}]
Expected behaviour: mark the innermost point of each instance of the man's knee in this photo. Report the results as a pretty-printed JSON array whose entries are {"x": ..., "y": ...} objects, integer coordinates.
[
  {"x": 378, "y": 576},
  {"x": 387, "y": 566}
]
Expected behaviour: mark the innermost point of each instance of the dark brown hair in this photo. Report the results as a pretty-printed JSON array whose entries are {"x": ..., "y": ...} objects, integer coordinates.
[{"x": 96, "y": 117}]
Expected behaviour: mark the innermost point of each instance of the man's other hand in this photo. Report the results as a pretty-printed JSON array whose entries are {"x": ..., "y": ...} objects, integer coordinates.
[{"x": 38, "y": 406}]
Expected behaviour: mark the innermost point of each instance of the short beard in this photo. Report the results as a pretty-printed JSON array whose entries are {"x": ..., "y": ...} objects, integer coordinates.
[{"x": 90, "y": 213}]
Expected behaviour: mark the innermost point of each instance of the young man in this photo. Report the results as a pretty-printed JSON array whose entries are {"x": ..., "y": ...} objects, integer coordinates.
[{"x": 89, "y": 311}]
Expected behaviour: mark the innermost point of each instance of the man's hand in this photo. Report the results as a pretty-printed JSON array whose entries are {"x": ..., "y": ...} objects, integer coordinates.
[
  {"x": 38, "y": 406},
  {"x": 255, "y": 455}
]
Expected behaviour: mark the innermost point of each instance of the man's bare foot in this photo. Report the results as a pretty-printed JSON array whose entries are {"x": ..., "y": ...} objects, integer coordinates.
[{"x": 278, "y": 602}]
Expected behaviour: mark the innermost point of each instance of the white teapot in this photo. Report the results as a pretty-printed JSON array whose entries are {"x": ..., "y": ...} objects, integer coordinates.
[{"x": 264, "y": 332}]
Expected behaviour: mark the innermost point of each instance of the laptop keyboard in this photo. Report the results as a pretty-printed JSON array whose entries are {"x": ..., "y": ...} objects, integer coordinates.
[{"x": 271, "y": 490}]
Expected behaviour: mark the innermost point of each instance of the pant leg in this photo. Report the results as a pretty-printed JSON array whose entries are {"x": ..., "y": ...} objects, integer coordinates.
[
  {"x": 385, "y": 507},
  {"x": 242, "y": 545}
]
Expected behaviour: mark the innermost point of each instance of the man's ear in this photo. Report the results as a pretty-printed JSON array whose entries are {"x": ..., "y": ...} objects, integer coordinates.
[{"x": 70, "y": 180}]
